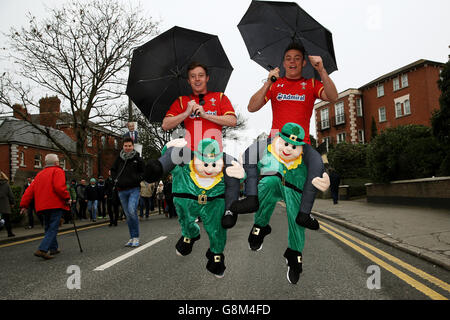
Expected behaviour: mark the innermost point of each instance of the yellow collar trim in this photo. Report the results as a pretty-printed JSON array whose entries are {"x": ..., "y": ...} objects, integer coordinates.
[
  {"x": 291, "y": 165},
  {"x": 195, "y": 177}
]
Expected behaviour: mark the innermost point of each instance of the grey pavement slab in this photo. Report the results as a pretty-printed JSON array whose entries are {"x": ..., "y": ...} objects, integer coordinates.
[{"x": 422, "y": 231}]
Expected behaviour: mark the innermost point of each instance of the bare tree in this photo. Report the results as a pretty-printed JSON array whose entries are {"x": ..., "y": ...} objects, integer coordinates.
[{"x": 80, "y": 53}]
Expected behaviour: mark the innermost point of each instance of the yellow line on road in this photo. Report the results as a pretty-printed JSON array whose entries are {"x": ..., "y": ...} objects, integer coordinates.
[
  {"x": 59, "y": 234},
  {"x": 412, "y": 282},
  {"x": 401, "y": 263}
]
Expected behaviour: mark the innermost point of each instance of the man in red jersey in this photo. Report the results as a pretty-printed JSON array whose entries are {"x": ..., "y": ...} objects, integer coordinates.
[
  {"x": 203, "y": 113},
  {"x": 292, "y": 98}
]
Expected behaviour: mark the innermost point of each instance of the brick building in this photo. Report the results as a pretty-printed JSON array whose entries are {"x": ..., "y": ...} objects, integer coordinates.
[
  {"x": 405, "y": 96},
  {"x": 23, "y": 147}
]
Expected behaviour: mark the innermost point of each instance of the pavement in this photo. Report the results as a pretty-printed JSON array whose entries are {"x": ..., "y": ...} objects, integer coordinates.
[{"x": 420, "y": 231}]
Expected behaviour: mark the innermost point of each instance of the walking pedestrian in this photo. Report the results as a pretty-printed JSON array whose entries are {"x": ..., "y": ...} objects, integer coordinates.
[
  {"x": 101, "y": 198},
  {"x": 167, "y": 190},
  {"x": 335, "y": 181},
  {"x": 112, "y": 201},
  {"x": 160, "y": 196},
  {"x": 51, "y": 199},
  {"x": 73, "y": 197},
  {"x": 145, "y": 199},
  {"x": 69, "y": 215},
  {"x": 127, "y": 172},
  {"x": 91, "y": 198},
  {"x": 31, "y": 208},
  {"x": 81, "y": 195},
  {"x": 6, "y": 202}
]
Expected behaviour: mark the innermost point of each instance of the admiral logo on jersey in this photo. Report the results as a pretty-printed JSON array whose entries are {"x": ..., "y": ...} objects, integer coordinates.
[{"x": 290, "y": 97}]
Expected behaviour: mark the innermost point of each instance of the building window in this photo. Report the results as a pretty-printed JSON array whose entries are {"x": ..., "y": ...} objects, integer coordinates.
[
  {"x": 402, "y": 106},
  {"x": 396, "y": 84},
  {"x": 359, "y": 110},
  {"x": 341, "y": 137},
  {"x": 38, "y": 161},
  {"x": 404, "y": 81},
  {"x": 407, "y": 107},
  {"x": 22, "y": 159},
  {"x": 116, "y": 145},
  {"x": 327, "y": 141},
  {"x": 361, "y": 136},
  {"x": 103, "y": 139},
  {"x": 89, "y": 140},
  {"x": 89, "y": 168},
  {"x": 324, "y": 117},
  {"x": 380, "y": 90},
  {"x": 382, "y": 114},
  {"x": 339, "y": 110},
  {"x": 398, "y": 110}
]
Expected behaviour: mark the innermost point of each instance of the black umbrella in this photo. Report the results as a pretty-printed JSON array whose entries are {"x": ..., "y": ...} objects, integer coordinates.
[
  {"x": 268, "y": 27},
  {"x": 158, "y": 72}
]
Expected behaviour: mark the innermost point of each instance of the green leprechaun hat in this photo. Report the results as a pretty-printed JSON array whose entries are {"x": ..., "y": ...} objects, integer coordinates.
[
  {"x": 208, "y": 151},
  {"x": 293, "y": 133}
]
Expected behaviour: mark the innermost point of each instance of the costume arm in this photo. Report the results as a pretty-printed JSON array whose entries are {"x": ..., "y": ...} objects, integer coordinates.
[
  {"x": 251, "y": 157},
  {"x": 232, "y": 185},
  {"x": 313, "y": 162}
]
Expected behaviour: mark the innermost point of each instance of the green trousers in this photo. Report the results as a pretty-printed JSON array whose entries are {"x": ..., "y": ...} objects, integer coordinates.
[
  {"x": 211, "y": 214},
  {"x": 270, "y": 191}
]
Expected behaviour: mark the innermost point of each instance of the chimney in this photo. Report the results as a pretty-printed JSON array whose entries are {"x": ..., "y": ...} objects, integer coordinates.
[
  {"x": 49, "y": 111},
  {"x": 21, "y": 113}
]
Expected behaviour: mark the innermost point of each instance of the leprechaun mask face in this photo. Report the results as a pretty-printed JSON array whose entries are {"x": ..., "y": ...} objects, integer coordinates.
[
  {"x": 208, "y": 169},
  {"x": 285, "y": 150}
]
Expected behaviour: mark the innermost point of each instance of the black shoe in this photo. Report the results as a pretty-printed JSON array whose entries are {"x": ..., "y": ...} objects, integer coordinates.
[
  {"x": 216, "y": 263},
  {"x": 11, "y": 235},
  {"x": 229, "y": 219},
  {"x": 306, "y": 221},
  {"x": 256, "y": 236},
  {"x": 294, "y": 262},
  {"x": 184, "y": 245},
  {"x": 247, "y": 205}
]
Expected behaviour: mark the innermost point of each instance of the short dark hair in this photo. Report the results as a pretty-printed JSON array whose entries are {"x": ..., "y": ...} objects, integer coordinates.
[
  {"x": 128, "y": 139},
  {"x": 295, "y": 46},
  {"x": 195, "y": 64}
]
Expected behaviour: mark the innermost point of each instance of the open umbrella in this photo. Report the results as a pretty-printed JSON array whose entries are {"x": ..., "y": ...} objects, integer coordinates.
[
  {"x": 268, "y": 27},
  {"x": 158, "y": 72}
]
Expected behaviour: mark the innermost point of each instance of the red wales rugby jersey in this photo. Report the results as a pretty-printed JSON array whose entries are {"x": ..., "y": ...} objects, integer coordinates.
[
  {"x": 216, "y": 103},
  {"x": 293, "y": 101}
]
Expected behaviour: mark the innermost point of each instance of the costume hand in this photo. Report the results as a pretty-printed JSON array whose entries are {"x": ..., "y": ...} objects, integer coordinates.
[
  {"x": 274, "y": 73},
  {"x": 23, "y": 211},
  {"x": 176, "y": 143},
  {"x": 236, "y": 170},
  {"x": 322, "y": 183},
  {"x": 316, "y": 62}
]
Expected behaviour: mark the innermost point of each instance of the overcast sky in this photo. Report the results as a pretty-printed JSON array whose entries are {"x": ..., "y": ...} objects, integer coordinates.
[{"x": 371, "y": 38}]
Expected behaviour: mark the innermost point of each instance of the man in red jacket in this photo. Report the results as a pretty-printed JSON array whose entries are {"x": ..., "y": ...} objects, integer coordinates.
[{"x": 51, "y": 199}]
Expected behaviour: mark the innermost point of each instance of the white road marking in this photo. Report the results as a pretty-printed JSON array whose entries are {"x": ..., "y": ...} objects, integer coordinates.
[{"x": 129, "y": 254}]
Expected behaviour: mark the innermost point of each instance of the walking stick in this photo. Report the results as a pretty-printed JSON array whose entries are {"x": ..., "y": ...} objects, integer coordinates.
[{"x": 75, "y": 227}]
